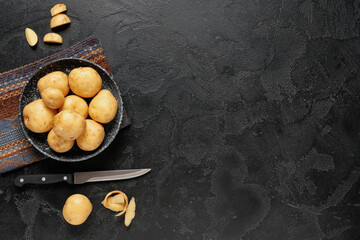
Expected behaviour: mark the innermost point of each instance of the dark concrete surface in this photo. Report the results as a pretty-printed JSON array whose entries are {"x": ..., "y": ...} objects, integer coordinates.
[{"x": 247, "y": 112}]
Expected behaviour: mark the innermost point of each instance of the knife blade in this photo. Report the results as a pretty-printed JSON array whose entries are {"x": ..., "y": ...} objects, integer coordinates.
[{"x": 80, "y": 177}]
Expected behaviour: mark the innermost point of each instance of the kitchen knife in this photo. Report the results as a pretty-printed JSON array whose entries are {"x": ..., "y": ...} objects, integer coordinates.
[{"x": 80, "y": 177}]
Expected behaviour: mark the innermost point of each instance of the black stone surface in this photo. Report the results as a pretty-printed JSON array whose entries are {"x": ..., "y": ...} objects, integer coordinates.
[{"x": 247, "y": 112}]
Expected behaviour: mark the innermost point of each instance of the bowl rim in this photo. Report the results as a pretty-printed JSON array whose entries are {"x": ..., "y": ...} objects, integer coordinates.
[{"x": 94, "y": 153}]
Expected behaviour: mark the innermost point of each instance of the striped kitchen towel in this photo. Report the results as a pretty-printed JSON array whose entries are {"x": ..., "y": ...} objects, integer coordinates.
[{"x": 15, "y": 150}]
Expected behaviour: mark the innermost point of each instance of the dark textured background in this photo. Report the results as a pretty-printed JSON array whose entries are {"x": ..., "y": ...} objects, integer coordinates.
[{"x": 247, "y": 111}]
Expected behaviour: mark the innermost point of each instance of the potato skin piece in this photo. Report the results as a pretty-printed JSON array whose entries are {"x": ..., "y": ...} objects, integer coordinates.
[
  {"x": 38, "y": 117},
  {"x": 109, "y": 204},
  {"x": 130, "y": 212}
]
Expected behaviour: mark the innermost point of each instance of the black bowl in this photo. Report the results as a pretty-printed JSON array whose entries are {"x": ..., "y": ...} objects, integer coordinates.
[{"x": 31, "y": 93}]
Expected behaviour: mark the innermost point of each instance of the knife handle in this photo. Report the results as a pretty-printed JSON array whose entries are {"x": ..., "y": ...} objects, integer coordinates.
[{"x": 43, "y": 179}]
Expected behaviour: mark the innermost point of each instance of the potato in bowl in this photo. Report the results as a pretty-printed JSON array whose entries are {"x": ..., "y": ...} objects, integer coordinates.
[{"x": 31, "y": 93}]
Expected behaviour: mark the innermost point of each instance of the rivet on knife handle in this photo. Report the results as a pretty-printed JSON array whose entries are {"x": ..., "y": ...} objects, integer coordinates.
[{"x": 43, "y": 179}]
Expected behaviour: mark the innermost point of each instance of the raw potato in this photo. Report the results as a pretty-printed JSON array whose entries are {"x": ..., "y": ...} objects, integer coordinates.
[
  {"x": 58, "y": 144},
  {"x": 116, "y": 201},
  {"x": 59, "y": 20},
  {"x": 69, "y": 124},
  {"x": 77, "y": 209},
  {"x": 37, "y": 117},
  {"x": 103, "y": 107},
  {"x": 53, "y": 38},
  {"x": 130, "y": 212},
  {"x": 58, "y": 8},
  {"x": 85, "y": 82},
  {"x": 31, "y": 37},
  {"x": 55, "y": 79},
  {"x": 52, "y": 97},
  {"x": 92, "y": 137},
  {"x": 73, "y": 102}
]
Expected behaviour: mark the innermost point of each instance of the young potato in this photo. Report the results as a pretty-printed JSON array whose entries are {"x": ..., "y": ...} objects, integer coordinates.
[
  {"x": 38, "y": 117},
  {"x": 73, "y": 102},
  {"x": 69, "y": 124},
  {"x": 52, "y": 97},
  {"x": 92, "y": 137},
  {"x": 103, "y": 107},
  {"x": 85, "y": 82},
  {"x": 77, "y": 209},
  {"x": 55, "y": 79},
  {"x": 58, "y": 144},
  {"x": 59, "y": 20}
]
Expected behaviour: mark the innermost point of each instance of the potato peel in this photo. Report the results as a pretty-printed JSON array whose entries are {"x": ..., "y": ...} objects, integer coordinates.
[
  {"x": 116, "y": 201},
  {"x": 130, "y": 212}
]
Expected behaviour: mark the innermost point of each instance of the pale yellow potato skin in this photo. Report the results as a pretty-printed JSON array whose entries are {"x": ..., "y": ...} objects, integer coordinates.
[
  {"x": 77, "y": 209},
  {"x": 38, "y": 117},
  {"x": 85, "y": 82},
  {"x": 52, "y": 97},
  {"x": 59, "y": 19},
  {"x": 55, "y": 79},
  {"x": 58, "y": 144},
  {"x": 92, "y": 137},
  {"x": 69, "y": 124},
  {"x": 130, "y": 212},
  {"x": 103, "y": 107},
  {"x": 73, "y": 102}
]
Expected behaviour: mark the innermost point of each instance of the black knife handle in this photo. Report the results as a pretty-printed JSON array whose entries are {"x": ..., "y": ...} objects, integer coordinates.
[{"x": 43, "y": 179}]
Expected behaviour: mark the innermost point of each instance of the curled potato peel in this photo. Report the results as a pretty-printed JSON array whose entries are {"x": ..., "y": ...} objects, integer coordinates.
[{"x": 116, "y": 201}]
